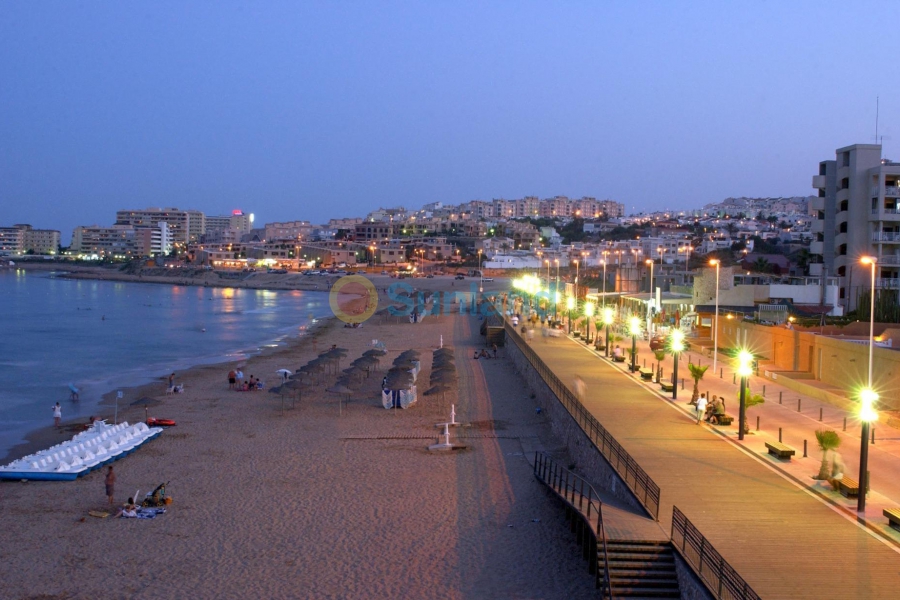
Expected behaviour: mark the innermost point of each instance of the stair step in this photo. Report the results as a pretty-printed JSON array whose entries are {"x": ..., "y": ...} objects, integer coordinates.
[
  {"x": 641, "y": 565},
  {"x": 643, "y": 592},
  {"x": 644, "y": 583},
  {"x": 661, "y": 559},
  {"x": 642, "y": 572}
]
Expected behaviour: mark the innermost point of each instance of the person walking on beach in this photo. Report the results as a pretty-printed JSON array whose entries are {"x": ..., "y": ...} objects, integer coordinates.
[
  {"x": 701, "y": 407},
  {"x": 232, "y": 379},
  {"x": 57, "y": 415},
  {"x": 110, "y": 485},
  {"x": 172, "y": 380}
]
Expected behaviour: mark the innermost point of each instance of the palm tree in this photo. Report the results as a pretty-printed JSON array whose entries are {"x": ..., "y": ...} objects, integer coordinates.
[
  {"x": 750, "y": 400},
  {"x": 697, "y": 373},
  {"x": 761, "y": 265},
  {"x": 660, "y": 356},
  {"x": 828, "y": 441}
]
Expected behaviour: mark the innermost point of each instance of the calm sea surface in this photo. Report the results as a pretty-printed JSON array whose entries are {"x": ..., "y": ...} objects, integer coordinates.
[{"x": 102, "y": 335}]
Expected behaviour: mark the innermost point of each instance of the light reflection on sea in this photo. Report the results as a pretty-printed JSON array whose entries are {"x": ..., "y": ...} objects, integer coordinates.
[{"x": 102, "y": 335}]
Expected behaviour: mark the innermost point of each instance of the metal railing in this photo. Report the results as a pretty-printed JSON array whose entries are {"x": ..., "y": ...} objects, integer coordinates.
[
  {"x": 571, "y": 489},
  {"x": 637, "y": 480},
  {"x": 720, "y": 578}
]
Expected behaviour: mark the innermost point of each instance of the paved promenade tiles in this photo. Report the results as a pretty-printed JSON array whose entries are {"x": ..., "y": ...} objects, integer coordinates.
[{"x": 785, "y": 541}]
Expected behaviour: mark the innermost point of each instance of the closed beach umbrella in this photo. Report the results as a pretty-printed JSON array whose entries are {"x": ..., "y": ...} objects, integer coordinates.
[
  {"x": 341, "y": 390},
  {"x": 374, "y": 353},
  {"x": 410, "y": 354},
  {"x": 438, "y": 388}
]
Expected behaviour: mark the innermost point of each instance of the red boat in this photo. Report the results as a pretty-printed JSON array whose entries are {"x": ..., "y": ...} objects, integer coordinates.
[{"x": 151, "y": 422}]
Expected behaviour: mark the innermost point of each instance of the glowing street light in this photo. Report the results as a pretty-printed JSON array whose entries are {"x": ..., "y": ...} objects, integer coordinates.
[
  {"x": 588, "y": 314},
  {"x": 649, "y": 261},
  {"x": 715, "y": 262},
  {"x": 744, "y": 370},
  {"x": 634, "y": 326},
  {"x": 604, "y": 279},
  {"x": 676, "y": 345},
  {"x": 608, "y": 318},
  {"x": 867, "y": 398}
]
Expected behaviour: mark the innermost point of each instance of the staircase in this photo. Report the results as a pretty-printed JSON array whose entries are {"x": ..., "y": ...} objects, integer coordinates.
[{"x": 642, "y": 570}]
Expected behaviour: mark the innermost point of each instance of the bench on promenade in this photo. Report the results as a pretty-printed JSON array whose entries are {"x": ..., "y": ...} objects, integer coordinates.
[
  {"x": 667, "y": 387},
  {"x": 849, "y": 487},
  {"x": 721, "y": 419},
  {"x": 620, "y": 358},
  {"x": 780, "y": 450},
  {"x": 893, "y": 517},
  {"x": 646, "y": 374}
]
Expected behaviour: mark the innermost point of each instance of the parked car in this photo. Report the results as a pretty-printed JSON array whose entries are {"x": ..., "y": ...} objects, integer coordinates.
[
  {"x": 360, "y": 272},
  {"x": 384, "y": 272},
  {"x": 487, "y": 278},
  {"x": 460, "y": 277},
  {"x": 429, "y": 276},
  {"x": 657, "y": 343}
]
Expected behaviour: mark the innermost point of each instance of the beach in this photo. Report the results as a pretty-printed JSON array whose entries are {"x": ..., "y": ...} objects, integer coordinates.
[{"x": 326, "y": 501}]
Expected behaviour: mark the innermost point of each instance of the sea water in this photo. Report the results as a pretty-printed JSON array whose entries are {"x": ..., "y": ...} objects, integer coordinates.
[{"x": 101, "y": 336}]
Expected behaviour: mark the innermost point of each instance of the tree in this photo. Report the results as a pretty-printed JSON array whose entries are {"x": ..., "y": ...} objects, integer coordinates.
[
  {"x": 761, "y": 265},
  {"x": 828, "y": 441},
  {"x": 697, "y": 373},
  {"x": 750, "y": 400},
  {"x": 660, "y": 356}
]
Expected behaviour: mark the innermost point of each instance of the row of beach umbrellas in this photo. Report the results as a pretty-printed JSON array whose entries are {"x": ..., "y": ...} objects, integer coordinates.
[{"x": 443, "y": 372}]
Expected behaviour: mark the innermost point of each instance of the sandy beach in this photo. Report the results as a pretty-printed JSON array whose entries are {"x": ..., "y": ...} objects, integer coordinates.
[{"x": 323, "y": 502}]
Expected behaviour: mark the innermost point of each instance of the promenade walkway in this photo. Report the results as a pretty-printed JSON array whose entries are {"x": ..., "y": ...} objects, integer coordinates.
[{"x": 785, "y": 540}]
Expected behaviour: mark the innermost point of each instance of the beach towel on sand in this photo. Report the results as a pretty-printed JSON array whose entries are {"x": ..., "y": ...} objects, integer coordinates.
[{"x": 150, "y": 513}]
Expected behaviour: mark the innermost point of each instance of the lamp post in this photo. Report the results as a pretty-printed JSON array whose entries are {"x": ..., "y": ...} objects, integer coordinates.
[
  {"x": 715, "y": 262},
  {"x": 556, "y": 294},
  {"x": 576, "y": 276},
  {"x": 608, "y": 318},
  {"x": 649, "y": 261},
  {"x": 604, "y": 281},
  {"x": 588, "y": 314},
  {"x": 635, "y": 327},
  {"x": 570, "y": 306},
  {"x": 676, "y": 344},
  {"x": 480, "y": 274},
  {"x": 868, "y": 398},
  {"x": 744, "y": 370}
]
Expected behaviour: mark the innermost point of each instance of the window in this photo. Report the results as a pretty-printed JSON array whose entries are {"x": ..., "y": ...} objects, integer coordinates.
[
  {"x": 842, "y": 271},
  {"x": 845, "y": 159},
  {"x": 844, "y": 206},
  {"x": 842, "y": 251},
  {"x": 843, "y": 227},
  {"x": 842, "y": 294},
  {"x": 845, "y": 183}
]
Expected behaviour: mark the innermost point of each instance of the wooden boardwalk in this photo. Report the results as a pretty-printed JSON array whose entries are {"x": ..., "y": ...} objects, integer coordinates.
[{"x": 785, "y": 542}]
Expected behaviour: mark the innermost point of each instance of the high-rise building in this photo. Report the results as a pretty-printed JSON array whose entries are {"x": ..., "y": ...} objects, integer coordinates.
[
  {"x": 857, "y": 213},
  {"x": 186, "y": 225}
]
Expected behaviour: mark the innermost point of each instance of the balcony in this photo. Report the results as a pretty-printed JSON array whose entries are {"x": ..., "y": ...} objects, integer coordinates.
[
  {"x": 818, "y": 182},
  {"x": 885, "y": 236},
  {"x": 817, "y": 226},
  {"x": 816, "y": 247},
  {"x": 891, "y": 260},
  {"x": 817, "y": 203},
  {"x": 887, "y": 283},
  {"x": 885, "y": 214},
  {"x": 890, "y": 191},
  {"x": 815, "y": 269}
]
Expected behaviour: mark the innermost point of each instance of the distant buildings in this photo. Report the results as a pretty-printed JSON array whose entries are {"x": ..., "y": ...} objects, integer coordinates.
[
  {"x": 857, "y": 213},
  {"x": 186, "y": 225},
  {"x": 24, "y": 239}
]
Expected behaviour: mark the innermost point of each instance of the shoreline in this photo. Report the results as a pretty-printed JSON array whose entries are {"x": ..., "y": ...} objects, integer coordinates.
[{"x": 45, "y": 436}]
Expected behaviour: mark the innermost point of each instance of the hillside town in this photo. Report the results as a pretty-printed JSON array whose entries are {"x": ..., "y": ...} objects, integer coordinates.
[{"x": 780, "y": 252}]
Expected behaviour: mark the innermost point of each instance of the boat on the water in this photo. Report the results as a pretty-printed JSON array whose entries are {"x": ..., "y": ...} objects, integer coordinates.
[{"x": 89, "y": 450}]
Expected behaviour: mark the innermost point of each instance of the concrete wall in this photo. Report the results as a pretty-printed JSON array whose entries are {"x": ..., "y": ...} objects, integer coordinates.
[{"x": 837, "y": 363}]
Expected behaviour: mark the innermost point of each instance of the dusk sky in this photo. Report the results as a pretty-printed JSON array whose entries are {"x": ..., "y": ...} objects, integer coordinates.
[{"x": 309, "y": 110}]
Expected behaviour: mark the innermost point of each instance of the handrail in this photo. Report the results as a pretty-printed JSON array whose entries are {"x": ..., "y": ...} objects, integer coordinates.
[
  {"x": 637, "y": 480},
  {"x": 552, "y": 475},
  {"x": 720, "y": 577}
]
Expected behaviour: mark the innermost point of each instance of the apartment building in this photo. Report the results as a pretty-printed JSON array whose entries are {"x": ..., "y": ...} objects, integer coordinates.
[
  {"x": 857, "y": 213},
  {"x": 22, "y": 239},
  {"x": 290, "y": 230},
  {"x": 238, "y": 220},
  {"x": 117, "y": 240},
  {"x": 187, "y": 225}
]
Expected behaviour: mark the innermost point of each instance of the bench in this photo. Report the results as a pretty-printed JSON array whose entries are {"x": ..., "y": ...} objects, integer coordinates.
[
  {"x": 618, "y": 358},
  {"x": 667, "y": 387},
  {"x": 893, "y": 517},
  {"x": 721, "y": 419},
  {"x": 646, "y": 374},
  {"x": 849, "y": 487},
  {"x": 780, "y": 450}
]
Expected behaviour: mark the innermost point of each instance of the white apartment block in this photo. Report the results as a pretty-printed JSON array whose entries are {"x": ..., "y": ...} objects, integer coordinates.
[
  {"x": 289, "y": 230},
  {"x": 103, "y": 241},
  {"x": 186, "y": 225},
  {"x": 857, "y": 214}
]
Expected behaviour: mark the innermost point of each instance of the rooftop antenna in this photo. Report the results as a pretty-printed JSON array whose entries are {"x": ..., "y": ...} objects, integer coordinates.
[{"x": 876, "y": 119}]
